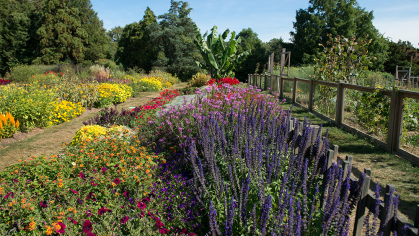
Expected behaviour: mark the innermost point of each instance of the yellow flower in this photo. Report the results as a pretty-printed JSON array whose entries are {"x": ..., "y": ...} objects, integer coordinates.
[
  {"x": 49, "y": 230},
  {"x": 70, "y": 209}
]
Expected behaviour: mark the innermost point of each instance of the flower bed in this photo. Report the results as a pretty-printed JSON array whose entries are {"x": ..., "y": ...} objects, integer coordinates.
[{"x": 225, "y": 164}]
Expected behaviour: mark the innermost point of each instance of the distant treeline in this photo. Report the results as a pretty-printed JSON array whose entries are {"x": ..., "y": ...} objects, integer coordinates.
[{"x": 56, "y": 31}]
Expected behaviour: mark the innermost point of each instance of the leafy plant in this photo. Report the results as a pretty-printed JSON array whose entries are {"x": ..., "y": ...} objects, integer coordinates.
[{"x": 219, "y": 56}]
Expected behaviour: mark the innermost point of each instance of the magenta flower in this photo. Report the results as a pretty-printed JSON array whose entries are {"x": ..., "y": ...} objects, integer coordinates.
[
  {"x": 81, "y": 175},
  {"x": 116, "y": 181},
  {"x": 90, "y": 196},
  {"x": 124, "y": 219},
  {"x": 145, "y": 200},
  {"x": 141, "y": 205},
  {"x": 103, "y": 210},
  {"x": 104, "y": 169},
  {"x": 159, "y": 224},
  {"x": 87, "y": 227},
  {"x": 163, "y": 231},
  {"x": 90, "y": 234},
  {"x": 88, "y": 213},
  {"x": 141, "y": 214},
  {"x": 72, "y": 220},
  {"x": 126, "y": 193},
  {"x": 62, "y": 229},
  {"x": 43, "y": 204},
  {"x": 93, "y": 183},
  {"x": 7, "y": 195},
  {"x": 74, "y": 191}
]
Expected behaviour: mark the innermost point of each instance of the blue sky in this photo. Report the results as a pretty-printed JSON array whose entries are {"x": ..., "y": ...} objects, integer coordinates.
[{"x": 269, "y": 19}]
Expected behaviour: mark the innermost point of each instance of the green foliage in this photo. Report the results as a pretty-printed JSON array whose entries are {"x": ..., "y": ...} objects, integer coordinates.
[
  {"x": 401, "y": 53},
  {"x": 23, "y": 73},
  {"x": 135, "y": 49},
  {"x": 342, "y": 59},
  {"x": 175, "y": 34},
  {"x": 411, "y": 114},
  {"x": 199, "y": 80},
  {"x": 335, "y": 17},
  {"x": 61, "y": 34},
  {"x": 219, "y": 56},
  {"x": 250, "y": 41}
]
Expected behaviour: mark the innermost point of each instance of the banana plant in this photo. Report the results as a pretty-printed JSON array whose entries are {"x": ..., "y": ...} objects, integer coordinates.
[{"x": 219, "y": 56}]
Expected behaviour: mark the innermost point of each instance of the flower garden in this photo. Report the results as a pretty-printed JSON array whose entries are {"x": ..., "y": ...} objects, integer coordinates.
[{"x": 222, "y": 161}]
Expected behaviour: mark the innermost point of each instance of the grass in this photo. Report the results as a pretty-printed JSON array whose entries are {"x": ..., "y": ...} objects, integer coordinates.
[{"x": 386, "y": 168}]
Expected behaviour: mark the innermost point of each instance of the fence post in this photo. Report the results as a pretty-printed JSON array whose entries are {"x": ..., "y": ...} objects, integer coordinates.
[
  {"x": 310, "y": 96},
  {"x": 388, "y": 208},
  {"x": 294, "y": 90},
  {"x": 272, "y": 83},
  {"x": 340, "y": 98},
  {"x": 281, "y": 87},
  {"x": 395, "y": 121},
  {"x": 265, "y": 84},
  {"x": 360, "y": 208},
  {"x": 249, "y": 80}
]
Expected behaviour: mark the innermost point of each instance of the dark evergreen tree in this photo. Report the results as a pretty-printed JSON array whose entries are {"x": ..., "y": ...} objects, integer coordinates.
[
  {"x": 257, "y": 57},
  {"x": 61, "y": 35},
  {"x": 135, "y": 48},
  {"x": 15, "y": 23},
  {"x": 115, "y": 33},
  {"x": 96, "y": 42},
  {"x": 175, "y": 34}
]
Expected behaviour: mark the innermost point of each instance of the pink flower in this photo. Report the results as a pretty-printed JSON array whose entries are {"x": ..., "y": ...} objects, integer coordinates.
[
  {"x": 124, "y": 219},
  {"x": 87, "y": 227},
  {"x": 62, "y": 229},
  {"x": 116, "y": 181},
  {"x": 81, "y": 175},
  {"x": 93, "y": 183},
  {"x": 7, "y": 195},
  {"x": 163, "y": 231},
  {"x": 74, "y": 191},
  {"x": 159, "y": 224}
]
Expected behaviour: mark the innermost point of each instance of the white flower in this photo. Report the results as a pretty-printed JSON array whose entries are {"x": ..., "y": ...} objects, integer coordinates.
[{"x": 73, "y": 163}]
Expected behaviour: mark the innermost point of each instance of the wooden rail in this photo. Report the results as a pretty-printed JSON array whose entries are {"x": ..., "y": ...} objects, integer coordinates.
[
  {"x": 367, "y": 198},
  {"x": 392, "y": 143}
]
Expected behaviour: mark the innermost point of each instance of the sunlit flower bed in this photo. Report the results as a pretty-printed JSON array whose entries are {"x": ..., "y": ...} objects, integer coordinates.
[{"x": 224, "y": 163}]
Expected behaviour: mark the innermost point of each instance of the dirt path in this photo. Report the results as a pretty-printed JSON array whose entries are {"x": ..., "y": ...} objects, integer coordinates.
[{"x": 50, "y": 140}]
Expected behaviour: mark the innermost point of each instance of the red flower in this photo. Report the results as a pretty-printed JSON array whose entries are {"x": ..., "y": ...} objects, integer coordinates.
[
  {"x": 116, "y": 181},
  {"x": 87, "y": 227},
  {"x": 81, "y": 175},
  {"x": 72, "y": 220},
  {"x": 62, "y": 229},
  {"x": 163, "y": 231},
  {"x": 126, "y": 193},
  {"x": 141, "y": 205},
  {"x": 93, "y": 183},
  {"x": 124, "y": 219},
  {"x": 159, "y": 224}
]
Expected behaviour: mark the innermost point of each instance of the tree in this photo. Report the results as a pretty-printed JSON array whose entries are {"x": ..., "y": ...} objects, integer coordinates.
[
  {"x": 250, "y": 41},
  {"x": 14, "y": 32},
  {"x": 115, "y": 33},
  {"x": 175, "y": 34},
  {"x": 95, "y": 43},
  {"x": 402, "y": 53},
  {"x": 336, "y": 17},
  {"x": 61, "y": 35},
  {"x": 135, "y": 48}
]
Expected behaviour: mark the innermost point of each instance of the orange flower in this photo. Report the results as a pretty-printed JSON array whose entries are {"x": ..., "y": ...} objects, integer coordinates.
[{"x": 49, "y": 230}]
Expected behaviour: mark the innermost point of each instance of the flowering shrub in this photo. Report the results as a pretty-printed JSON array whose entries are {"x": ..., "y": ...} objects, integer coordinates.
[
  {"x": 90, "y": 132},
  {"x": 221, "y": 81},
  {"x": 151, "y": 84},
  {"x": 113, "y": 93},
  {"x": 4, "y": 81},
  {"x": 64, "y": 111},
  {"x": 32, "y": 105},
  {"x": 95, "y": 187},
  {"x": 8, "y": 125},
  {"x": 199, "y": 80},
  {"x": 86, "y": 94}
]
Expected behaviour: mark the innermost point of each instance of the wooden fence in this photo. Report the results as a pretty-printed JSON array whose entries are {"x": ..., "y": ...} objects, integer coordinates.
[
  {"x": 276, "y": 83},
  {"x": 367, "y": 198}
]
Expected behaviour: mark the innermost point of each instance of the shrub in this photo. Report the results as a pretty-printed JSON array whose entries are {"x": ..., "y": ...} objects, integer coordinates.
[
  {"x": 151, "y": 84},
  {"x": 199, "y": 80},
  {"x": 8, "y": 125},
  {"x": 167, "y": 77},
  {"x": 86, "y": 93},
  {"x": 31, "y": 105},
  {"x": 23, "y": 73},
  {"x": 64, "y": 111},
  {"x": 112, "y": 94}
]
